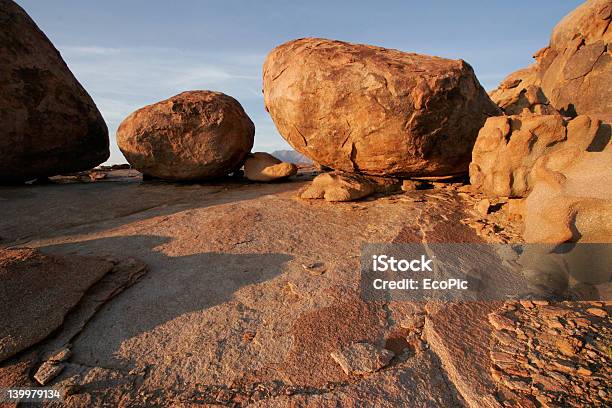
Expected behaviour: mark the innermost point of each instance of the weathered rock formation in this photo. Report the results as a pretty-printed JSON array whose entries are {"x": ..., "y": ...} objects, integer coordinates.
[
  {"x": 508, "y": 147},
  {"x": 50, "y": 125},
  {"x": 262, "y": 166},
  {"x": 571, "y": 199},
  {"x": 573, "y": 74},
  {"x": 377, "y": 111},
  {"x": 193, "y": 135}
]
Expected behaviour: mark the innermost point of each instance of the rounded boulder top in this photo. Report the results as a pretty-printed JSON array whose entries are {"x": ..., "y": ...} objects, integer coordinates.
[
  {"x": 194, "y": 135},
  {"x": 50, "y": 124},
  {"x": 372, "y": 110}
]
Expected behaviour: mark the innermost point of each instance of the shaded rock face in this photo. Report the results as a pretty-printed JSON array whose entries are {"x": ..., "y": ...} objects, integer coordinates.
[
  {"x": 508, "y": 147},
  {"x": 50, "y": 125},
  {"x": 572, "y": 74},
  {"x": 377, "y": 111},
  {"x": 193, "y": 135},
  {"x": 262, "y": 166}
]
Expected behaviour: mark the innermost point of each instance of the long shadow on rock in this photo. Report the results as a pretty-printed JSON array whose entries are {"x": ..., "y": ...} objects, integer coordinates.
[
  {"x": 168, "y": 303},
  {"x": 53, "y": 210}
]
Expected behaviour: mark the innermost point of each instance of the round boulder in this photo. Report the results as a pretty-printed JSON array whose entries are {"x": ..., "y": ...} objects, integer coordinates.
[
  {"x": 192, "y": 136},
  {"x": 360, "y": 108},
  {"x": 50, "y": 125},
  {"x": 261, "y": 166}
]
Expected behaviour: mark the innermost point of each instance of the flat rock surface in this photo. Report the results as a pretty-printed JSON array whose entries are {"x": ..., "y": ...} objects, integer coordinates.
[{"x": 228, "y": 314}]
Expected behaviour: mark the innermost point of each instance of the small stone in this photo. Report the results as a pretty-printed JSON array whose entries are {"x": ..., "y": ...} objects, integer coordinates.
[
  {"x": 564, "y": 366},
  {"x": 362, "y": 358},
  {"x": 527, "y": 304},
  {"x": 338, "y": 187},
  {"x": 248, "y": 336},
  {"x": 597, "y": 312},
  {"x": 412, "y": 322},
  {"x": 482, "y": 207},
  {"x": 48, "y": 371},
  {"x": 262, "y": 166},
  {"x": 60, "y": 355},
  {"x": 500, "y": 322},
  {"x": 97, "y": 175},
  {"x": 565, "y": 347},
  {"x": 315, "y": 268}
]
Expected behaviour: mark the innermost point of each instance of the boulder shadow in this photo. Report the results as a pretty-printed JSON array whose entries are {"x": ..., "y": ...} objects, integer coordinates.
[
  {"x": 174, "y": 286},
  {"x": 34, "y": 212}
]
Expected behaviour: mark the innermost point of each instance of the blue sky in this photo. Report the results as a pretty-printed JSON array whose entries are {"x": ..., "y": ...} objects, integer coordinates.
[{"x": 131, "y": 53}]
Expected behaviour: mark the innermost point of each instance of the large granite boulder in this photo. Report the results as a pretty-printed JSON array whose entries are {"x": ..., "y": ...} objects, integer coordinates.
[
  {"x": 508, "y": 147},
  {"x": 377, "y": 111},
  {"x": 50, "y": 125},
  {"x": 193, "y": 135},
  {"x": 572, "y": 74}
]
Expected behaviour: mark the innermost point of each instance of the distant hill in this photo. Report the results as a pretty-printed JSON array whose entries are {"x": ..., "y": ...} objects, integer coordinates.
[{"x": 291, "y": 156}]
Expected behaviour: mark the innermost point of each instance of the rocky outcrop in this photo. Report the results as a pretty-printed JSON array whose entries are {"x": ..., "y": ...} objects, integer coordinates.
[
  {"x": 508, "y": 147},
  {"x": 193, "y": 135},
  {"x": 572, "y": 74},
  {"x": 262, "y": 166},
  {"x": 50, "y": 125},
  {"x": 366, "y": 109}
]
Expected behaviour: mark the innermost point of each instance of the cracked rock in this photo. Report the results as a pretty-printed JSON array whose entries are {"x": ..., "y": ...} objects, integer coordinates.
[
  {"x": 378, "y": 110},
  {"x": 48, "y": 371},
  {"x": 559, "y": 352}
]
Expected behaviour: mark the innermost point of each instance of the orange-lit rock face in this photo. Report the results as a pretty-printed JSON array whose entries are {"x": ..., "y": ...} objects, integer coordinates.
[
  {"x": 193, "y": 135},
  {"x": 572, "y": 74},
  {"x": 360, "y": 108}
]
